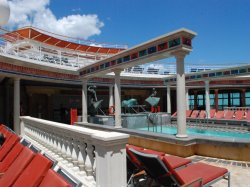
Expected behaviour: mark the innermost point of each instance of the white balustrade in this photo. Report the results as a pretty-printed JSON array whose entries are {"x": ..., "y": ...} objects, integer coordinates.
[{"x": 92, "y": 156}]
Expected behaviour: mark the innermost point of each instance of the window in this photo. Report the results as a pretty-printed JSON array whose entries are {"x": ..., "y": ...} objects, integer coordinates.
[
  {"x": 200, "y": 101},
  {"x": 212, "y": 101},
  {"x": 247, "y": 96},
  {"x": 222, "y": 100},
  {"x": 235, "y": 99},
  {"x": 191, "y": 102}
]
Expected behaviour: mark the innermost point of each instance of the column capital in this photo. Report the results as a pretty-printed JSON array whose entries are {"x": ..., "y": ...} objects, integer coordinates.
[
  {"x": 118, "y": 71},
  {"x": 180, "y": 54},
  {"x": 17, "y": 78},
  {"x": 206, "y": 81},
  {"x": 84, "y": 80},
  {"x": 216, "y": 91}
]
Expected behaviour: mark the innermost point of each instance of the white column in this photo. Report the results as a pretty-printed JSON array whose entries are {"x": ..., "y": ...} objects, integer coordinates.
[
  {"x": 207, "y": 98},
  {"x": 187, "y": 99},
  {"x": 168, "y": 99},
  {"x": 111, "y": 168},
  {"x": 118, "y": 119},
  {"x": 111, "y": 96},
  {"x": 84, "y": 101},
  {"x": 17, "y": 105},
  {"x": 181, "y": 96}
]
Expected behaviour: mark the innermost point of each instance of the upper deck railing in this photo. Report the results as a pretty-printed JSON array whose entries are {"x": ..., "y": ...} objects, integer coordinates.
[{"x": 17, "y": 46}]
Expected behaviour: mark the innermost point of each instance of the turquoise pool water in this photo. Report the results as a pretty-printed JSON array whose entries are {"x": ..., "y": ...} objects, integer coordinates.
[{"x": 199, "y": 132}]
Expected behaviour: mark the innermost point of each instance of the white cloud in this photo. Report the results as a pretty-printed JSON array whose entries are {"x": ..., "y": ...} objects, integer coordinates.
[{"x": 38, "y": 14}]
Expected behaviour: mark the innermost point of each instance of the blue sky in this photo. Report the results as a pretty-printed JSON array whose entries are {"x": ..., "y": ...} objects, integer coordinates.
[{"x": 223, "y": 26}]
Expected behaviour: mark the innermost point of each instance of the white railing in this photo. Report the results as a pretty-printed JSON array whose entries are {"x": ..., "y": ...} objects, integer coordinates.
[
  {"x": 96, "y": 158},
  {"x": 21, "y": 47}
]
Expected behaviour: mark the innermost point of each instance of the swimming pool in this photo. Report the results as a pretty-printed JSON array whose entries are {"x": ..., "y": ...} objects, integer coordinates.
[{"x": 197, "y": 131}]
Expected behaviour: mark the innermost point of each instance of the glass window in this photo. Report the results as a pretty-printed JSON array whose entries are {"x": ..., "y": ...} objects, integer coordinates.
[{"x": 235, "y": 99}]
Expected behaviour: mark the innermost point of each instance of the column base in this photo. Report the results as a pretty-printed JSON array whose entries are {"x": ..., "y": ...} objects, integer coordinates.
[
  {"x": 117, "y": 127},
  {"x": 181, "y": 136}
]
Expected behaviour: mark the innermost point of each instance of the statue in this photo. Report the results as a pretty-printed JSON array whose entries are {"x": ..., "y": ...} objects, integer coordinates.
[
  {"x": 152, "y": 100},
  {"x": 94, "y": 103}
]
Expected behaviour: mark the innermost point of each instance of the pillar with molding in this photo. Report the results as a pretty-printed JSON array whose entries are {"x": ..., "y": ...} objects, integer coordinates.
[
  {"x": 168, "y": 99},
  {"x": 117, "y": 91},
  {"x": 84, "y": 101},
  {"x": 16, "y": 108},
  {"x": 207, "y": 96},
  {"x": 187, "y": 99},
  {"x": 111, "y": 96},
  {"x": 181, "y": 94}
]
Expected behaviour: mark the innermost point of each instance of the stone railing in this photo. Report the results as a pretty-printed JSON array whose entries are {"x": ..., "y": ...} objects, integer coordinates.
[{"x": 96, "y": 158}]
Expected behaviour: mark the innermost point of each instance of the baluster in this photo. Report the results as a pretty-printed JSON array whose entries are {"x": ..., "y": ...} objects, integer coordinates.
[
  {"x": 64, "y": 149},
  {"x": 75, "y": 153},
  {"x": 59, "y": 147},
  {"x": 89, "y": 162},
  {"x": 82, "y": 157},
  {"x": 69, "y": 152}
]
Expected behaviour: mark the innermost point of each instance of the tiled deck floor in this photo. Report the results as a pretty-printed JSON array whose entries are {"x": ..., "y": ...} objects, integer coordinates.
[{"x": 240, "y": 171}]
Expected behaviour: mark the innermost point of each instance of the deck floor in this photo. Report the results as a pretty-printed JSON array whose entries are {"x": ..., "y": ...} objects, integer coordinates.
[{"x": 240, "y": 171}]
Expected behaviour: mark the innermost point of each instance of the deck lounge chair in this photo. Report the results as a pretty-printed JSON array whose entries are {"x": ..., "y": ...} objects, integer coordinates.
[
  {"x": 229, "y": 114},
  {"x": 198, "y": 174},
  {"x": 33, "y": 174},
  {"x": 188, "y": 113},
  {"x": 202, "y": 114},
  {"x": 248, "y": 115},
  {"x": 54, "y": 179},
  {"x": 239, "y": 114},
  {"x": 13, "y": 172},
  {"x": 219, "y": 114},
  {"x": 212, "y": 113},
  {"x": 10, "y": 157},
  {"x": 194, "y": 114},
  {"x": 8, "y": 145}
]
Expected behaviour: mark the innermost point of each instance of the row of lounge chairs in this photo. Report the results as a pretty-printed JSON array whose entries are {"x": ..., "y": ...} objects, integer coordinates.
[
  {"x": 23, "y": 166},
  {"x": 220, "y": 116},
  {"x": 166, "y": 170}
]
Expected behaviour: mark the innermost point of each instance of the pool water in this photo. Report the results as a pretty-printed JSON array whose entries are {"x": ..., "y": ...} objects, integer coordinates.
[{"x": 196, "y": 131}]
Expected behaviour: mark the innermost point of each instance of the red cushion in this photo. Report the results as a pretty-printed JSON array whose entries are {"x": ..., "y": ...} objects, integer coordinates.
[
  {"x": 16, "y": 168},
  {"x": 132, "y": 157},
  {"x": 199, "y": 170},
  {"x": 10, "y": 157},
  {"x": 7, "y": 146},
  {"x": 134, "y": 147},
  {"x": 153, "y": 152},
  {"x": 34, "y": 172},
  {"x": 53, "y": 179},
  {"x": 174, "y": 162}
]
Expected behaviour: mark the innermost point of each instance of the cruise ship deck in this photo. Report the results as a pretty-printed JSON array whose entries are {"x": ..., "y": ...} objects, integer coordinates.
[{"x": 89, "y": 110}]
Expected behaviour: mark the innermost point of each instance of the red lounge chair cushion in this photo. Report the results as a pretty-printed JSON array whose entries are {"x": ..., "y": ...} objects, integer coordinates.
[
  {"x": 239, "y": 114},
  {"x": 16, "y": 168},
  {"x": 133, "y": 159},
  {"x": 194, "y": 114},
  {"x": 229, "y": 114},
  {"x": 202, "y": 114},
  {"x": 174, "y": 162},
  {"x": 7, "y": 146},
  {"x": 149, "y": 151},
  {"x": 53, "y": 179},
  {"x": 200, "y": 170},
  {"x": 188, "y": 113},
  {"x": 212, "y": 113},
  {"x": 219, "y": 115},
  {"x": 34, "y": 172},
  {"x": 248, "y": 115},
  {"x": 10, "y": 157}
]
